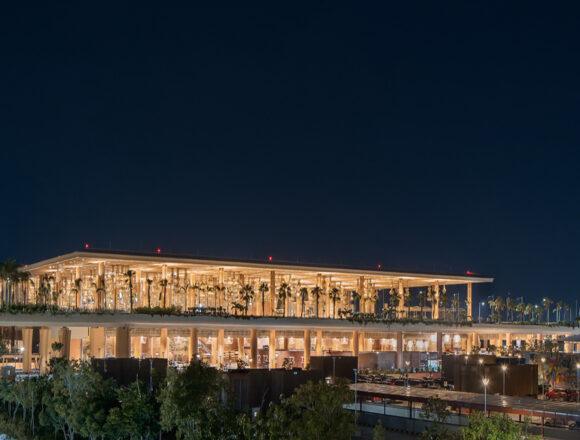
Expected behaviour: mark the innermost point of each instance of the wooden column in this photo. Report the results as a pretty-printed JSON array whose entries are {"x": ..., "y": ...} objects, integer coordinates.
[
  {"x": 97, "y": 342},
  {"x": 253, "y": 349},
  {"x": 27, "y": 353},
  {"x": 469, "y": 302},
  {"x": 122, "y": 343},
  {"x": 354, "y": 342},
  {"x": 163, "y": 351},
  {"x": 272, "y": 349},
  {"x": 439, "y": 343},
  {"x": 399, "y": 357},
  {"x": 307, "y": 348},
  {"x": 319, "y": 351},
  {"x": 64, "y": 335},
  {"x": 193, "y": 344}
]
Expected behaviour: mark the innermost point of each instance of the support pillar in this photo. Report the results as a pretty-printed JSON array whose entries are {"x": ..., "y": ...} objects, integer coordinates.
[
  {"x": 193, "y": 344},
  {"x": 97, "y": 342},
  {"x": 272, "y": 349},
  {"x": 469, "y": 302},
  {"x": 163, "y": 352},
  {"x": 307, "y": 348},
  {"x": 27, "y": 353},
  {"x": 508, "y": 340},
  {"x": 64, "y": 335},
  {"x": 241, "y": 354},
  {"x": 122, "y": 343},
  {"x": 354, "y": 342},
  {"x": 469, "y": 345},
  {"x": 253, "y": 349},
  {"x": 319, "y": 351},
  {"x": 439, "y": 343},
  {"x": 272, "y": 292},
  {"x": 136, "y": 340},
  {"x": 361, "y": 341},
  {"x": 436, "y": 300},
  {"x": 399, "y": 358},
  {"x": 44, "y": 349},
  {"x": 220, "y": 346}
]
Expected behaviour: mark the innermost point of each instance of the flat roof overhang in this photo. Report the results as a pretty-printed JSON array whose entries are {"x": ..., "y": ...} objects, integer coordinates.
[
  {"x": 460, "y": 399},
  {"x": 382, "y": 278}
]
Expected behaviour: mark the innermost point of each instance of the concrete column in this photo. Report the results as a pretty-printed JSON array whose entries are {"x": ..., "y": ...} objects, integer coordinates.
[
  {"x": 439, "y": 342},
  {"x": 44, "y": 349},
  {"x": 285, "y": 347},
  {"x": 399, "y": 357},
  {"x": 354, "y": 342},
  {"x": 214, "y": 353},
  {"x": 163, "y": 351},
  {"x": 64, "y": 336},
  {"x": 361, "y": 341},
  {"x": 319, "y": 351},
  {"x": 193, "y": 344},
  {"x": 469, "y": 302},
  {"x": 508, "y": 339},
  {"x": 307, "y": 348},
  {"x": 401, "y": 295},
  {"x": 220, "y": 346},
  {"x": 97, "y": 342},
  {"x": 253, "y": 349},
  {"x": 475, "y": 339},
  {"x": 272, "y": 349},
  {"x": 122, "y": 342},
  {"x": 138, "y": 288},
  {"x": 27, "y": 353}
]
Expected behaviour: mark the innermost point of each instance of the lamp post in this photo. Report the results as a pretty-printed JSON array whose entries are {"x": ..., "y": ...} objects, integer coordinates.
[
  {"x": 543, "y": 359},
  {"x": 355, "y": 391},
  {"x": 503, "y": 370},
  {"x": 577, "y": 382},
  {"x": 407, "y": 363},
  {"x": 485, "y": 381}
]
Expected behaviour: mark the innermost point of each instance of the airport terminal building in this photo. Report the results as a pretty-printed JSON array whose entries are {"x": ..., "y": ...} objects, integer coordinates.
[{"x": 104, "y": 303}]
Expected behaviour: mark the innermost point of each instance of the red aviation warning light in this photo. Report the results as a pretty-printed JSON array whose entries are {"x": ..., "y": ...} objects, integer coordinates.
[
  {"x": 86, "y": 245},
  {"x": 270, "y": 258},
  {"x": 378, "y": 266},
  {"x": 158, "y": 250}
]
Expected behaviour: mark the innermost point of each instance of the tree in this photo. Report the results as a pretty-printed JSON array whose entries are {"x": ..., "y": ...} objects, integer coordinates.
[
  {"x": 559, "y": 307},
  {"x": 149, "y": 282},
  {"x": 334, "y": 295},
  {"x": 317, "y": 292},
  {"x": 494, "y": 427},
  {"x": 407, "y": 298},
  {"x": 303, "y": 299},
  {"x": 547, "y": 302},
  {"x": 566, "y": 309},
  {"x": 246, "y": 295},
  {"x": 436, "y": 410},
  {"x": 263, "y": 289},
  {"x": 511, "y": 307},
  {"x": 163, "y": 284},
  {"x": 284, "y": 292},
  {"x": 455, "y": 303},
  {"x": 499, "y": 307},
  {"x": 314, "y": 411},
  {"x": 193, "y": 404},
  {"x": 521, "y": 308},
  {"x": 137, "y": 416}
]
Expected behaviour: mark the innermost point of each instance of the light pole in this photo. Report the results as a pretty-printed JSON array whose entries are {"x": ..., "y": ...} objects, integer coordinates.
[
  {"x": 542, "y": 373},
  {"x": 479, "y": 310},
  {"x": 485, "y": 381},
  {"x": 407, "y": 363},
  {"x": 503, "y": 370},
  {"x": 355, "y": 391},
  {"x": 577, "y": 382}
]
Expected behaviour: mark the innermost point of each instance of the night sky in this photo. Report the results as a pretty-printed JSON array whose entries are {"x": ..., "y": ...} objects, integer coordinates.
[{"x": 430, "y": 138}]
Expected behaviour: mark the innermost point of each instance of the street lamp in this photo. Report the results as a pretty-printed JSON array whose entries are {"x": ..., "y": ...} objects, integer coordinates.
[
  {"x": 503, "y": 369},
  {"x": 543, "y": 359},
  {"x": 479, "y": 310},
  {"x": 407, "y": 363},
  {"x": 485, "y": 381},
  {"x": 355, "y": 391},
  {"x": 578, "y": 382}
]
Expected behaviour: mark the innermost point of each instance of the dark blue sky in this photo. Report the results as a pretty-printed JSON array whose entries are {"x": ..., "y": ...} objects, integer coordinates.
[{"x": 434, "y": 137}]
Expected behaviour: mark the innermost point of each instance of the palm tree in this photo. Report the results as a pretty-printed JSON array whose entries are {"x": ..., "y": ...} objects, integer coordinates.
[
  {"x": 491, "y": 303},
  {"x": 566, "y": 309},
  {"x": 520, "y": 308},
  {"x": 149, "y": 282},
  {"x": 284, "y": 291},
  {"x": 24, "y": 279},
  {"x": 559, "y": 306},
  {"x": 499, "y": 307},
  {"x": 78, "y": 290},
  {"x": 547, "y": 302},
  {"x": 408, "y": 298},
  {"x": 246, "y": 295},
  {"x": 511, "y": 306},
  {"x": 444, "y": 302},
  {"x": 303, "y": 298},
  {"x": 163, "y": 284},
  {"x": 529, "y": 310},
  {"x": 317, "y": 292},
  {"x": 334, "y": 295},
  {"x": 263, "y": 289},
  {"x": 129, "y": 274},
  {"x": 455, "y": 304}
]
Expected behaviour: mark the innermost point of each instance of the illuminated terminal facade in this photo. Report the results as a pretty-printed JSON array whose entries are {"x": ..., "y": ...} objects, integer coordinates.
[{"x": 261, "y": 314}]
